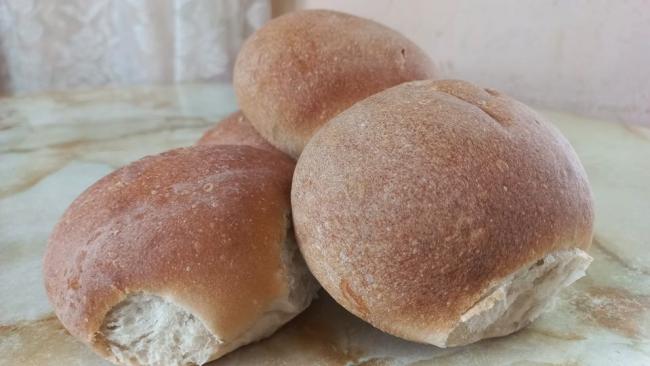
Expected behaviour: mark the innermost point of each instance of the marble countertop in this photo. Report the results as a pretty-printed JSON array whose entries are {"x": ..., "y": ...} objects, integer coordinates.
[{"x": 53, "y": 146}]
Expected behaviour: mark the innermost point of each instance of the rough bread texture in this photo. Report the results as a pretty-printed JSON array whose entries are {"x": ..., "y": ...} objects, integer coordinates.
[
  {"x": 518, "y": 300},
  {"x": 415, "y": 202},
  {"x": 179, "y": 258},
  {"x": 305, "y": 67},
  {"x": 235, "y": 129},
  {"x": 149, "y": 330}
]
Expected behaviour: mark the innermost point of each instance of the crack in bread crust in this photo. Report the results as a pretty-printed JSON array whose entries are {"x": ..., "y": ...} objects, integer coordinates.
[{"x": 518, "y": 299}]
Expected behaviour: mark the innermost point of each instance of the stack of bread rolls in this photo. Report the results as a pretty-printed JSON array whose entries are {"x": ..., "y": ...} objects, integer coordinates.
[{"x": 435, "y": 210}]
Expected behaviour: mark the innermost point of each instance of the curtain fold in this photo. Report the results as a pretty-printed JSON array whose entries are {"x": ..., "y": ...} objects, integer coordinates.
[{"x": 64, "y": 44}]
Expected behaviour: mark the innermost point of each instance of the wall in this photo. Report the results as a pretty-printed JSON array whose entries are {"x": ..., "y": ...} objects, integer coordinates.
[{"x": 590, "y": 57}]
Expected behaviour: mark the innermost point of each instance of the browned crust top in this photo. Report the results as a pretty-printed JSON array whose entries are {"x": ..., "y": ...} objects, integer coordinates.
[
  {"x": 235, "y": 129},
  {"x": 201, "y": 226},
  {"x": 413, "y": 202},
  {"x": 305, "y": 67}
]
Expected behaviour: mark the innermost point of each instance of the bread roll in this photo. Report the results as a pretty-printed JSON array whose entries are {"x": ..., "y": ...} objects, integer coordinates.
[
  {"x": 235, "y": 129},
  {"x": 442, "y": 212},
  {"x": 179, "y": 258},
  {"x": 303, "y": 68}
]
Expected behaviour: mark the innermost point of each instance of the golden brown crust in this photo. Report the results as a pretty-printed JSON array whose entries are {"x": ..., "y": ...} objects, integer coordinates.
[
  {"x": 303, "y": 68},
  {"x": 200, "y": 226},
  {"x": 235, "y": 129},
  {"x": 409, "y": 205}
]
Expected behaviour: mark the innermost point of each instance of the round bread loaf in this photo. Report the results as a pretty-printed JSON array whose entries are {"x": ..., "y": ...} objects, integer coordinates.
[
  {"x": 442, "y": 212},
  {"x": 235, "y": 129},
  {"x": 179, "y": 258},
  {"x": 305, "y": 67}
]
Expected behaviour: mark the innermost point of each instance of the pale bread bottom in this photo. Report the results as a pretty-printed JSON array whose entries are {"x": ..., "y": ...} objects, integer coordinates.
[
  {"x": 146, "y": 329},
  {"x": 517, "y": 300}
]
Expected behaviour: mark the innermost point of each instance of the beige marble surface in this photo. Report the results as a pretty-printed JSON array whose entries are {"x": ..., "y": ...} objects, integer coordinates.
[{"x": 53, "y": 146}]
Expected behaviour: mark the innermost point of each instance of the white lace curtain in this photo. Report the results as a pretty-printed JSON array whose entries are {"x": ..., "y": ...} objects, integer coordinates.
[{"x": 65, "y": 44}]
